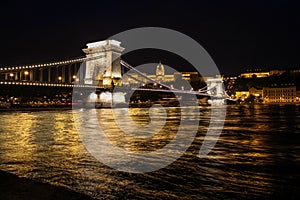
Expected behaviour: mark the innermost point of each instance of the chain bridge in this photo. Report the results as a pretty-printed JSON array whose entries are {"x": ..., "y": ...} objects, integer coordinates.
[{"x": 101, "y": 67}]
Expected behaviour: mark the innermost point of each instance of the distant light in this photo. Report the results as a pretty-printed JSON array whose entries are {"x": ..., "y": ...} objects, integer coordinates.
[
  {"x": 106, "y": 97},
  {"x": 11, "y": 75}
]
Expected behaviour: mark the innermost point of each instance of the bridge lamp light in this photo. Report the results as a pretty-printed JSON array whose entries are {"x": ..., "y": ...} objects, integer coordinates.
[
  {"x": 74, "y": 77},
  {"x": 11, "y": 74},
  {"x": 59, "y": 78},
  {"x": 93, "y": 96},
  {"x": 26, "y": 73}
]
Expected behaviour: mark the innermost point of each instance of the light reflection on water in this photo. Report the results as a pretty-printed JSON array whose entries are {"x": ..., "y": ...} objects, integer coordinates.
[
  {"x": 257, "y": 155},
  {"x": 140, "y": 143}
]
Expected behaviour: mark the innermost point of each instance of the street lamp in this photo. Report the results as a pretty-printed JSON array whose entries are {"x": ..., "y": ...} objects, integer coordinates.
[
  {"x": 75, "y": 79},
  {"x": 11, "y": 75},
  {"x": 26, "y": 73},
  {"x": 59, "y": 78}
]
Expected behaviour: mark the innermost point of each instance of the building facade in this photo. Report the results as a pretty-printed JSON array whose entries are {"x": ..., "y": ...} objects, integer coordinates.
[
  {"x": 160, "y": 72},
  {"x": 160, "y": 76},
  {"x": 255, "y": 74},
  {"x": 242, "y": 95},
  {"x": 284, "y": 94},
  {"x": 190, "y": 76},
  {"x": 255, "y": 92}
]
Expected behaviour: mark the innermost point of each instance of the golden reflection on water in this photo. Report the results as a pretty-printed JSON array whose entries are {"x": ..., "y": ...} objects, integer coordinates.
[
  {"x": 18, "y": 146},
  {"x": 39, "y": 139},
  {"x": 136, "y": 143},
  {"x": 251, "y": 156},
  {"x": 66, "y": 134}
]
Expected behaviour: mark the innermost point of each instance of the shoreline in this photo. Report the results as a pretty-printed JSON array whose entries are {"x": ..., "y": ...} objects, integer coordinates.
[
  {"x": 14, "y": 187},
  {"x": 58, "y": 108}
]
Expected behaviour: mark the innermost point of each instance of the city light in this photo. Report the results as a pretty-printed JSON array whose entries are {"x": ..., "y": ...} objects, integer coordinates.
[{"x": 93, "y": 96}]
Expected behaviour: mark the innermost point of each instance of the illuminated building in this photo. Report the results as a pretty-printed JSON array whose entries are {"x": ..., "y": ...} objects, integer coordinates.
[
  {"x": 160, "y": 72},
  {"x": 276, "y": 72},
  {"x": 159, "y": 75},
  {"x": 242, "y": 95},
  {"x": 190, "y": 76},
  {"x": 260, "y": 74},
  {"x": 295, "y": 71},
  {"x": 255, "y": 74},
  {"x": 255, "y": 92},
  {"x": 169, "y": 77},
  {"x": 285, "y": 93},
  {"x": 133, "y": 78}
]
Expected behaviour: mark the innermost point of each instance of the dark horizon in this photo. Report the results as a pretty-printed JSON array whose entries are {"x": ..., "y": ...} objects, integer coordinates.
[{"x": 237, "y": 35}]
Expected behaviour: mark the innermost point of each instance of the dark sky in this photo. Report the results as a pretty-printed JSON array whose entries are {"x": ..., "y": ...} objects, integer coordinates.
[{"x": 237, "y": 34}]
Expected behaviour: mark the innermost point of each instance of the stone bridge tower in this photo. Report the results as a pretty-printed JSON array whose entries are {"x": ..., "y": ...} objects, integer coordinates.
[
  {"x": 215, "y": 87},
  {"x": 103, "y": 63}
]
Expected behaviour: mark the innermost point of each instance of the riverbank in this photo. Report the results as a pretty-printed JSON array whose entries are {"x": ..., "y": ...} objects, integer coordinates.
[{"x": 13, "y": 187}]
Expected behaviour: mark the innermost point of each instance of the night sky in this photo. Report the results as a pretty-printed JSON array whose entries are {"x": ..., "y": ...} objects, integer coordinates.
[{"x": 238, "y": 35}]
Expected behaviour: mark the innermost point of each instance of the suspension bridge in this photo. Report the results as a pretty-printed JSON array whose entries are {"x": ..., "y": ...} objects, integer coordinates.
[{"x": 101, "y": 68}]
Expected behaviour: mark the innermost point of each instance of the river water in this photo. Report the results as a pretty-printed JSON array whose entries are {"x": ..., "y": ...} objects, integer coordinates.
[{"x": 257, "y": 155}]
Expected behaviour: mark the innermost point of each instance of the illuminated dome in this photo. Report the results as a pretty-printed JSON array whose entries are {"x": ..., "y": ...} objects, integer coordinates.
[{"x": 160, "y": 69}]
